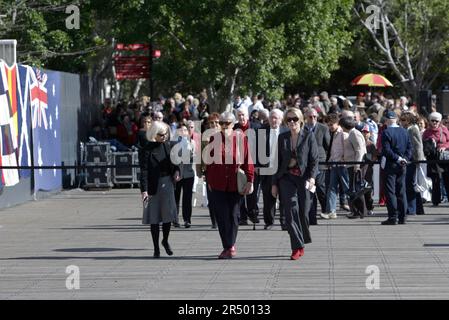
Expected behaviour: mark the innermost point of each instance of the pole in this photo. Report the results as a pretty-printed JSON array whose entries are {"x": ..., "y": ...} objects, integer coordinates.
[{"x": 150, "y": 70}]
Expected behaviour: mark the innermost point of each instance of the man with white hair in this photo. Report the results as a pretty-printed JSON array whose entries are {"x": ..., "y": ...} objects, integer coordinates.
[
  {"x": 403, "y": 103},
  {"x": 267, "y": 138}
]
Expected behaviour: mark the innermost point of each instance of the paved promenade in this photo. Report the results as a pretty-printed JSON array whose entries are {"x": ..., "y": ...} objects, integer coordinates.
[{"x": 100, "y": 232}]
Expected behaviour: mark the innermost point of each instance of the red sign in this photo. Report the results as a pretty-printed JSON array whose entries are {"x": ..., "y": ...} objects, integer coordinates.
[
  {"x": 132, "y": 47},
  {"x": 156, "y": 54},
  {"x": 132, "y": 66}
]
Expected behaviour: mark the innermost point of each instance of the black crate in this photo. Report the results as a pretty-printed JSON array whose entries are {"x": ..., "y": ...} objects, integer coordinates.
[
  {"x": 97, "y": 177},
  {"x": 136, "y": 171},
  {"x": 123, "y": 174},
  {"x": 98, "y": 152}
]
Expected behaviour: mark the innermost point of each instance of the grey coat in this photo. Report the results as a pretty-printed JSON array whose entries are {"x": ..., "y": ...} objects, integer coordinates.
[
  {"x": 416, "y": 139},
  {"x": 307, "y": 153}
]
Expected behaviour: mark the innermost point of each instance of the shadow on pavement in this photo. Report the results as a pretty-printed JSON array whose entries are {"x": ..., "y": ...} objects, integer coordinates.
[{"x": 95, "y": 250}]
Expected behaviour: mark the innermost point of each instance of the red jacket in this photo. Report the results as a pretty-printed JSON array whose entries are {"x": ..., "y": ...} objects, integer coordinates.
[
  {"x": 222, "y": 176},
  {"x": 440, "y": 135},
  {"x": 125, "y": 137}
]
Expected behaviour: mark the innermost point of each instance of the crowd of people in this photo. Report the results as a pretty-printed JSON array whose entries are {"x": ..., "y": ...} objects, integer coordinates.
[{"x": 322, "y": 148}]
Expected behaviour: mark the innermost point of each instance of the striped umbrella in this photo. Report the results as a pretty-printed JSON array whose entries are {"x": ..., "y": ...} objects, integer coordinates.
[{"x": 371, "y": 80}]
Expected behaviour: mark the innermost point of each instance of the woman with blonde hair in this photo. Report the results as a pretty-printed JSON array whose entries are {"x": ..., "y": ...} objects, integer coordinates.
[
  {"x": 157, "y": 178},
  {"x": 295, "y": 178}
]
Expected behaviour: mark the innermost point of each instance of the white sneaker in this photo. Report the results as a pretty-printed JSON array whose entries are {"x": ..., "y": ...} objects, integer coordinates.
[
  {"x": 370, "y": 213},
  {"x": 324, "y": 216},
  {"x": 333, "y": 215}
]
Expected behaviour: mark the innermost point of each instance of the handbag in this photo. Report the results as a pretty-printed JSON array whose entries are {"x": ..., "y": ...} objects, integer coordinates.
[
  {"x": 421, "y": 183},
  {"x": 360, "y": 186},
  {"x": 242, "y": 180},
  {"x": 443, "y": 155}
]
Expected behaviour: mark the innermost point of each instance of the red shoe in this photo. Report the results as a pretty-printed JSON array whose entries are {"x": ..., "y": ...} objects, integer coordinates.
[
  {"x": 295, "y": 255},
  {"x": 225, "y": 254},
  {"x": 233, "y": 251},
  {"x": 301, "y": 252}
]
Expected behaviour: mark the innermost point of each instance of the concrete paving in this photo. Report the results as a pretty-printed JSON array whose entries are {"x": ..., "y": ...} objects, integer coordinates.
[{"x": 100, "y": 233}]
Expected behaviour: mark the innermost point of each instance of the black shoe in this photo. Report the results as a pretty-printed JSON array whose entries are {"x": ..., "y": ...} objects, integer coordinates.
[
  {"x": 167, "y": 247},
  {"x": 389, "y": 222},
  {"x": 243, "y": 223},
  {"x": 268, "y": 227},
  {"x": 352, "y": 216},
  {"x": 176, "y": 225},
  {"x": 187, "y": 225},
  {"x": 157, "y": 253},
  {"x": 402, "y": 221},
  {"x": 284, "y": 227},
  {"x": 214, "y": 226}
]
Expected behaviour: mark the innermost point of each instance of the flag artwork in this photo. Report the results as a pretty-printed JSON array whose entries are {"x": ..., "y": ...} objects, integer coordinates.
[
  {"x": 44, "y": 97},
  {"x": 29, "y": 125}
]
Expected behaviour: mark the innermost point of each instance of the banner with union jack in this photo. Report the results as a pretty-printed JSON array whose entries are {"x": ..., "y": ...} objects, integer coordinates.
[
  {"x": 29, "y": 104},
  {"x": 45, "y": 101}
]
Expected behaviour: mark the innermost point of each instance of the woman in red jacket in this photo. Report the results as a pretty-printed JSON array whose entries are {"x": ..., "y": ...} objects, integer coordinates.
[
  {"x": 439, "y": 134},
  {"x": 226, "y": 152}
]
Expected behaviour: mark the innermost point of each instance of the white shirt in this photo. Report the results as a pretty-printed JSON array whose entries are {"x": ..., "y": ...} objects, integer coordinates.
[
  {"x": 274, "y": 135},
  {"x": 257, "y": 106}
]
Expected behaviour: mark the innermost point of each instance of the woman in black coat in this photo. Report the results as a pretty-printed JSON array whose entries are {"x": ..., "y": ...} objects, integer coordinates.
[
  {"x": 295, "y": 179},
  {"x": 157, "y": 179}
]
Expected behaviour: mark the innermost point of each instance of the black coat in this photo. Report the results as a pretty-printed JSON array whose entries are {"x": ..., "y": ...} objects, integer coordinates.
[
  {"x": 151, "y": 157},
  {"x": 323, "y": 138},
  {"x": 307, "y": 153}
]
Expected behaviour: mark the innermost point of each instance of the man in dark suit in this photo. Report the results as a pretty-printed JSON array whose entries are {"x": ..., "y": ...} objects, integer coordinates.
[
  {"x": 396, "y": 153},
  {"x": 249, "y": 207},
  {"x": 322, "y": 137},
  {"x": 266, "y": 165}
]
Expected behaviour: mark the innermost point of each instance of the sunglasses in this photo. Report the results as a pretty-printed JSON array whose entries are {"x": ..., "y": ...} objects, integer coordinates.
[
  {"x": 227, "y": 123},
  {"x": 313, "y": 117},
  {"x": 214, "y": 121},
  {"x": 294, "y": 119},
  {"x": 162, "y": 134}
]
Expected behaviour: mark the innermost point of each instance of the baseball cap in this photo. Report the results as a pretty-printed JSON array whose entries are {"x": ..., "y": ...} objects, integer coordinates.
[{"x": 391, "y": 115}]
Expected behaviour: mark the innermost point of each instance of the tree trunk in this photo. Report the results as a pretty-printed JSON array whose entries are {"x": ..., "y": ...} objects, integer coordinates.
[
  {"x": 137, "y": 88},
  {"x": 222, "y": 98}
]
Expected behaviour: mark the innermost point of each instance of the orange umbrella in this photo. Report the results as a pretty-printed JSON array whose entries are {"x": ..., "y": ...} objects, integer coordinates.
[{"x": 371, "y": 80}]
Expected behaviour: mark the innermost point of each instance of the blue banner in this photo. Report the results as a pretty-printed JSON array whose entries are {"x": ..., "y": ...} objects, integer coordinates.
[{"x": 45, "y": 101}]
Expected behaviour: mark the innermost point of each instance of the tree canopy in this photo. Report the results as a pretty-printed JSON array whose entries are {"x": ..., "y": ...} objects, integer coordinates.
[{"x": 238, "y": 46}]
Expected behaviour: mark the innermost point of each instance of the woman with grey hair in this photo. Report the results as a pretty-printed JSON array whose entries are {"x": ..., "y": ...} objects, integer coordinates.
[
  {"x": 439, "y": 134},
  {"x": 228, "y": 151},
  {"x": 157, "y": 178}
]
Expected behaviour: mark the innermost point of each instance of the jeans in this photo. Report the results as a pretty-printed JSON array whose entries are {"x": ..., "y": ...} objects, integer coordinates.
[{"x": 336, "y": 174}]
